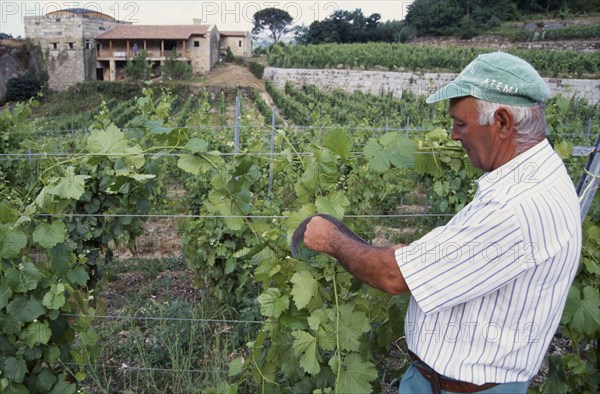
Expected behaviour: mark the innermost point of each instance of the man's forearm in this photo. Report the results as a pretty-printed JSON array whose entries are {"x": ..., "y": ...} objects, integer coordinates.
[{"x": 373, "y": 265}]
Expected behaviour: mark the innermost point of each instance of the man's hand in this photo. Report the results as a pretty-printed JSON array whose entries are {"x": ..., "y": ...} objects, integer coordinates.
[
  {"x": 375, "y": 266},
  {"x": 320, "y": 235}
]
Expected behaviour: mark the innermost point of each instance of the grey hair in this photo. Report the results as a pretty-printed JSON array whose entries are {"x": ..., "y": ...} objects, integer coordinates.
[{"x": 530, "y": 122}]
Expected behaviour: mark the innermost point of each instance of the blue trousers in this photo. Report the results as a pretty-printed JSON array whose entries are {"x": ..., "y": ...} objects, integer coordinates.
[{"x": 414, "y": 383}]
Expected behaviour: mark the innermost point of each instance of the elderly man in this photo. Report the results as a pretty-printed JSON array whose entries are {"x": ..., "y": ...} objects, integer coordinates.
[{"x": 488, "y": 288}]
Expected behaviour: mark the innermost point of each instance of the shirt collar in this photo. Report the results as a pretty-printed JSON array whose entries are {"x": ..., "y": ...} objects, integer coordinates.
[{"x": 517, "y": 169}]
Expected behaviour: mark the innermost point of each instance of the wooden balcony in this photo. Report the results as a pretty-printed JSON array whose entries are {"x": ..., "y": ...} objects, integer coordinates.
[{"x": 153, "y": 54}]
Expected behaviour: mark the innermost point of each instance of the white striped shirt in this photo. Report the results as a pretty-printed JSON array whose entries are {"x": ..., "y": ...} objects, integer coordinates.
[{"x": 488, "y": 288}]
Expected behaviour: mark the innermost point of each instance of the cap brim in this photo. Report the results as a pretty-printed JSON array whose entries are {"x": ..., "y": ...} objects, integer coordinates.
[{"x": 450, "y": 91}]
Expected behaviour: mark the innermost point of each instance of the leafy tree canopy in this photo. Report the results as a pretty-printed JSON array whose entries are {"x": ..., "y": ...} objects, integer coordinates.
[
  {"x": 466, "y": 18},
  {"x": 274, "y": 20},
  {"x": 345, "y": 27},
  {"x": 458, "y": 17}
]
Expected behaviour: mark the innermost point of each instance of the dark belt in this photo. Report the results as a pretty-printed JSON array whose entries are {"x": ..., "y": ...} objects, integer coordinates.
[{"x": 440, "y": 382}]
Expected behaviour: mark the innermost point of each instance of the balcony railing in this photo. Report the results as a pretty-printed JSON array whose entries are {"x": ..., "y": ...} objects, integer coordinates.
[{"x": 156, "y": 54}]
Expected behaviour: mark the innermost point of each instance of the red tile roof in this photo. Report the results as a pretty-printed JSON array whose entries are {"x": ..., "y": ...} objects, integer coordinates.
[{"x": 154, "y": 32}]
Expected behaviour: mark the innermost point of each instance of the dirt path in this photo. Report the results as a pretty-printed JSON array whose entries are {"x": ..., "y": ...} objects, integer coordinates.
[{"x": 231, "y": 75}]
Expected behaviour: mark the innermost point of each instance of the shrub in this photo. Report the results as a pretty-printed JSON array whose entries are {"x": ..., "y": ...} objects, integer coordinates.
[
  {"x": 138, "y": 68},
  {"x": 257, "y": 69},
  {"x": 175, "y": 69},
  {"x": 229, "y": 57},
  {"x": 23, "y": 88}
]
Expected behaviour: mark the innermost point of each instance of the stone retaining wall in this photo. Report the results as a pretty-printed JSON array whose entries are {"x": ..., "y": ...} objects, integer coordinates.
[{"x": 378, "y": 82}]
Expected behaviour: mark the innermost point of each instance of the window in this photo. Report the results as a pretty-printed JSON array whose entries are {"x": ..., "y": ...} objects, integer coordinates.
[
  {"x": 101, "y": 28},
  {"x": 240, "y": 43},
  {"x": 87, "y": 44},
  {"x": 71, "y": 45},
  {"x": 98, "y": 47},
  {"x": 55, "y": 46},
  {"x": 196, "y": 44}
]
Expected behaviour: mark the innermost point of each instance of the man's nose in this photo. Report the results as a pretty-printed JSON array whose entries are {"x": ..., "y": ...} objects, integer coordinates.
[{"x": 454, "y": 134}]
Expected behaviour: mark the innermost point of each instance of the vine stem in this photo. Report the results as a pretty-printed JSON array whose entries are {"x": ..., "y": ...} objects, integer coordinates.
[
  {"x": 264, "y": 378},
  {"x": 293, "y": 148},
  {"x": 337, "y": 330}
]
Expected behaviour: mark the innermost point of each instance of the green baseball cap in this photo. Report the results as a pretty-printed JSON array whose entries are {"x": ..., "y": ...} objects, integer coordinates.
[{"x": 497, "y": 77}]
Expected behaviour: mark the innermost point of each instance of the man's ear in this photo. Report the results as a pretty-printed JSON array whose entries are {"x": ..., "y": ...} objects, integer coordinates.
[{"x": 505, "y": 122}]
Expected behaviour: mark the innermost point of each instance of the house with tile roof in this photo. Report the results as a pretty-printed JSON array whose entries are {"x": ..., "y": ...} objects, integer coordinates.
[
  {"x": 197, "y": 45},
  {"x": 83, "y": 45},
  {"x": 239, "y": 42}
]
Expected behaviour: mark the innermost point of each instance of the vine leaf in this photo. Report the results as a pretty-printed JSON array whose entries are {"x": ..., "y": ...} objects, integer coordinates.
[
  {"x": 111, "y": 142},
  {"x": 338, "y": 141},
  {"x": 352, "y": 325},
  {"x": 11, "y": 242},
  {"x": 5, "y": 293},
  {"x": 564, "y": 149},
  {"x": 356, "y": 375},
  {"x": 220, "y": 203},
  {"x": 390, "y": 149},
  {"x": 55, "y": 297},
  {"x": 49, "y": 235},
  {"x": 273, "y": 303},
  {"x": 583, "y": 314},
  {"x": 36, "y": 333},
  {"x": 10, "y": 326},
  {"x": 7, "y": 213},
  {"x": 334, "y": 204},
  {"x": 304, "y": 288},
  {"x": 14, "y": 369},
  {"x": 46, "y": 379},
  {"x": 25, "y": 309},
  {"x": 197, "y": 164},
  {"x": 29, "y": 277},
  {"x": 323, "y": 323},
  {"x": 197, "y": 145},
  {"x": 305, "y": 347},
  {"x": 63, "y": 387},
  {"x": 78, "y": 276},
  {"x": 70, "y": 186},
  {"x": 235, "y": 367},
  {"x": 156, "y": 127}
]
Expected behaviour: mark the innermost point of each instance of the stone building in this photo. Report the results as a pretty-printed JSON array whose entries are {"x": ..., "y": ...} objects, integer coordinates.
[
  {"x": 82, "y": 45},
  {"x": 67, "y": 39},
  {"x": 197, "y": 45},
  {"x": 239, "y": 42}
]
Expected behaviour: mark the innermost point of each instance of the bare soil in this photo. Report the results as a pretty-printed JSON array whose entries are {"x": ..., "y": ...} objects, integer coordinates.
[{"x": 230, "y": 75}]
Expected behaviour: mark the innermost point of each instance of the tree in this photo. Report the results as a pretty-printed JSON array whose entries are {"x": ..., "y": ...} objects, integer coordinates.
[
  {"x": 175, "y": 69},
  {"x": 463, "y": 18},
  {"x": 138, "y": 68},
  {"x": 274, "y": 20},
  {"x": 24, "y": 87},
  {"x": 300, "y": 34},
  {"x": 346, "y": 27}
]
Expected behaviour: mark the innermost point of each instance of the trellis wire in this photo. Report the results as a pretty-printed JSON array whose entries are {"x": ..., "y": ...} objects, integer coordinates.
[
  {"x": 124, "y": 317},
  {"x": 146, "y": 369}
]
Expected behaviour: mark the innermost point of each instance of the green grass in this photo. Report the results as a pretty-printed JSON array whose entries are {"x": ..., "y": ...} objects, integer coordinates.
[{"x": 176, "y": 351}]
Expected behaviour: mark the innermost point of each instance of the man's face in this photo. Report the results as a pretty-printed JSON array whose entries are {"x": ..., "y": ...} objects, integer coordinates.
[{"x": 480, "y": 142}]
